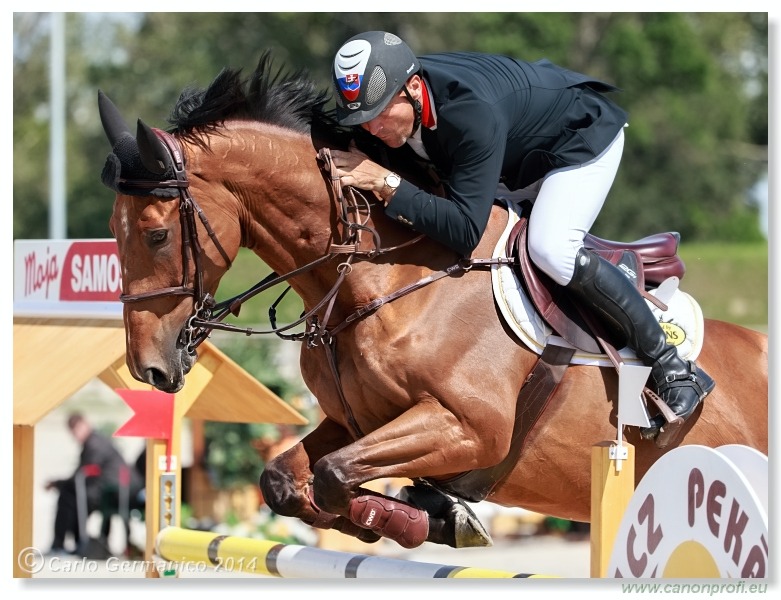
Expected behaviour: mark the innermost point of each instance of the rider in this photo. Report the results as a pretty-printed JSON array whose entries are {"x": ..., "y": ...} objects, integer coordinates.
[{"x": 492, "y": 125}]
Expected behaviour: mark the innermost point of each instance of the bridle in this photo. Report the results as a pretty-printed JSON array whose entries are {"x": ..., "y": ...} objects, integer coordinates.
[{"x": 203, "y": 302}]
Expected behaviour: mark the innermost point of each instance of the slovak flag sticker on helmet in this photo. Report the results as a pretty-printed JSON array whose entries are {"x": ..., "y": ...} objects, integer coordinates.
[
  {"x": 350, "y": 66},
  {"x": 350, "y": 85}
]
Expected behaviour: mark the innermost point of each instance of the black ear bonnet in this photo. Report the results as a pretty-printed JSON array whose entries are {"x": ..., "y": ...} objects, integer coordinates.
[{"x": 125, "y": 161}]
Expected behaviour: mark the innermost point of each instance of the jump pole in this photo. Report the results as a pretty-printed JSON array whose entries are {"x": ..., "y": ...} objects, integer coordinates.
[{"x": 198, "y": 550}]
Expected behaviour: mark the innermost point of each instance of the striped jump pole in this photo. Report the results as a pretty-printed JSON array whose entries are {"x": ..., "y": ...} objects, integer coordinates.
[{"x": 262, "y": 557}]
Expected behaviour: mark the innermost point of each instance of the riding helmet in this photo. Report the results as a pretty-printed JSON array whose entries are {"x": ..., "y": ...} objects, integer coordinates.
[{"x": 369, "y": 69}]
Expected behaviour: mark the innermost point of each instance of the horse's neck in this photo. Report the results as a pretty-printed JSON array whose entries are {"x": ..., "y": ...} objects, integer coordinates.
[
  {"x": 280, "y": 195},
  {"x": 286, "y": 212}
]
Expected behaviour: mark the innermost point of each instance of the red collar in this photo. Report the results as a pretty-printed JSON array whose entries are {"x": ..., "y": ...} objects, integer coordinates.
[{"x": 426, "y": 114}]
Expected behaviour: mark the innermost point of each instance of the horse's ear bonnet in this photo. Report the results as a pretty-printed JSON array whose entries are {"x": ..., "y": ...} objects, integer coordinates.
[{"x": 126, "y": 161}]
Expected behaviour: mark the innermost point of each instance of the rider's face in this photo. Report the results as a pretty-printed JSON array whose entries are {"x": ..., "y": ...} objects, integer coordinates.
[{"x": 394, "y": 124}]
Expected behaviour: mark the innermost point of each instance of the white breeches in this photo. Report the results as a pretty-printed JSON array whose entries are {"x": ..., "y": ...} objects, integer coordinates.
[{"x": 566, "y": 207}]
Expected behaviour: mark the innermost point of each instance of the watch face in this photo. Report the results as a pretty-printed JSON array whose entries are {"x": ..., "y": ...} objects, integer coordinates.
[{"x": 393, "y": 180}]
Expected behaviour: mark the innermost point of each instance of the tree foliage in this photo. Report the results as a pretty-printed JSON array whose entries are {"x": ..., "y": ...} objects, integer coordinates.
[{"x": 694, "y": 84}]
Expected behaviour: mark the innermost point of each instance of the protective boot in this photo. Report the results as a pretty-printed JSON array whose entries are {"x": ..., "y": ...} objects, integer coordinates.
[
  {"x": 405, "y": 524},
  {"x": 616, "y": 301}
]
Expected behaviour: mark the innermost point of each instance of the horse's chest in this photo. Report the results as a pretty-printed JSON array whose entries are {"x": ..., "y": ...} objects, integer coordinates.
[{"x": 353, "y": 388}]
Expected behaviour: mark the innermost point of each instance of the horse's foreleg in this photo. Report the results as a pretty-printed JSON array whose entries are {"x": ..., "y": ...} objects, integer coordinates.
[
  {"x": 426, "y": 441},
  {"x": 286, "y": 481}
]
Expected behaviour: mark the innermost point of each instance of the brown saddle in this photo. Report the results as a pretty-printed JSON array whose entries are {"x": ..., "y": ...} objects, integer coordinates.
[{"x": 646, "y": 262}]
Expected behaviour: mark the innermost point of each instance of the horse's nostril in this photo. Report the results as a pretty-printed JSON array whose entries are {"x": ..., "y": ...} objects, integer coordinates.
[
  {"x": 151, "y": 376},
  {"x": 158, "y": 379}
]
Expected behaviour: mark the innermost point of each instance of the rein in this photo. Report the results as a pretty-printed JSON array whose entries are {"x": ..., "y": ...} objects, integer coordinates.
[
  {"x": 318, "y": 332},
  {"x": 350, "y": 207}
]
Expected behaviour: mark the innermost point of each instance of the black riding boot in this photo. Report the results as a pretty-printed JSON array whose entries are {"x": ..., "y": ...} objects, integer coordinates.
[{"x": 605, "y": 289}]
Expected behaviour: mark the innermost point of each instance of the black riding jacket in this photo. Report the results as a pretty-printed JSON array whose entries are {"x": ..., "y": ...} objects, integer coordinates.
[{"x": 500, "y": 119}]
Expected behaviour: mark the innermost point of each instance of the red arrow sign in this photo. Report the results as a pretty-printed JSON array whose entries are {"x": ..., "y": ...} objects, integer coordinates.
[{"x": 153, "y": 416}]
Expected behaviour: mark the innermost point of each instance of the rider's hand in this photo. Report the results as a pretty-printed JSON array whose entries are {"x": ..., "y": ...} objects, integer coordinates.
[{"x": 356, "y": 169}]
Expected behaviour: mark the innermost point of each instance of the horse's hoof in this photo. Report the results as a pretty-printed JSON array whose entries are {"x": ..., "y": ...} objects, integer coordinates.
[
  {"x": 470, "y": 532},
  {"x": 347, "y": 527},
  {"x": 661, "y": 432}
]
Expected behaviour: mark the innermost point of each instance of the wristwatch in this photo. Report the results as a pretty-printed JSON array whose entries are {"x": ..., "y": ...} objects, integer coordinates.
[{"x": 392, "y": 182}]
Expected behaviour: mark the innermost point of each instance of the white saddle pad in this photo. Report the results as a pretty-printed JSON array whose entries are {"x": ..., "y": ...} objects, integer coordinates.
[{"x": 682, "y": 321}]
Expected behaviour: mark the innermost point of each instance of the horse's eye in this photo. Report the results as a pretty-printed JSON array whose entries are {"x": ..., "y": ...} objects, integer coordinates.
[{"x": 158, "y": 236}]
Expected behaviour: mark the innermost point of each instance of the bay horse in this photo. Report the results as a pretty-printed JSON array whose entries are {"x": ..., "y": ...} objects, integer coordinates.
[{"x": 414, "y": 381}]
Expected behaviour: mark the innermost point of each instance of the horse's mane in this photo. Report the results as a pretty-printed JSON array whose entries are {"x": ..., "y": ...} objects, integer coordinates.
[{"x": 287, "y": 99}]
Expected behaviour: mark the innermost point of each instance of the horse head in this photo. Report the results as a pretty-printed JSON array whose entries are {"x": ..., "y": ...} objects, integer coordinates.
[{"x": 171, "y": 258}]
